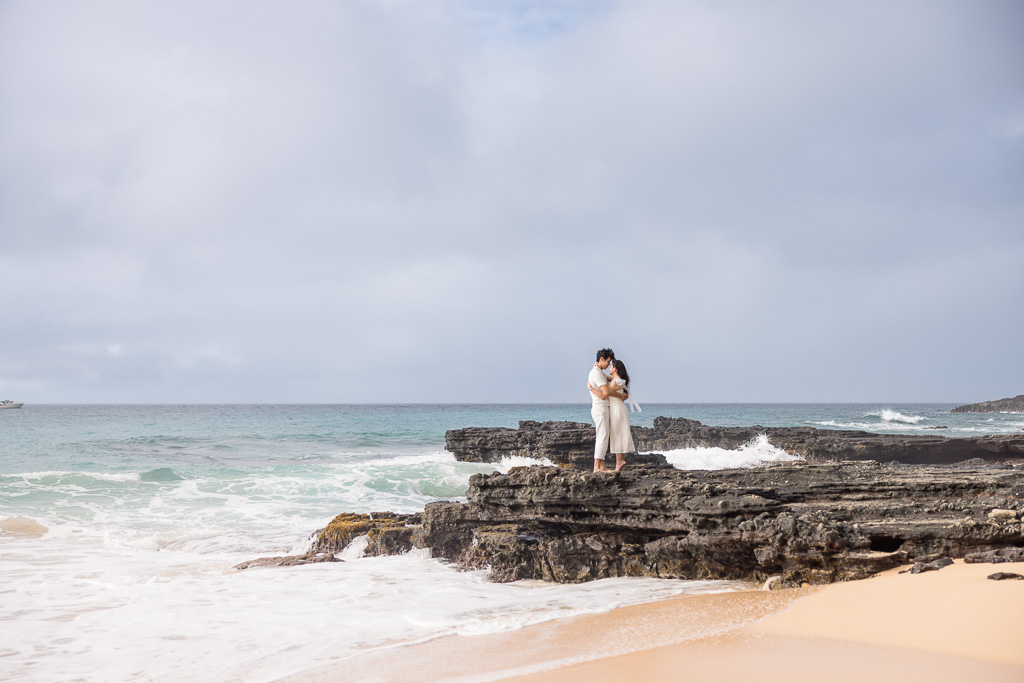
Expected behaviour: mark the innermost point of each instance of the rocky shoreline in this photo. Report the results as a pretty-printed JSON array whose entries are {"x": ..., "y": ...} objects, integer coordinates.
[
  {"x": 800, "y": 522},
  {"x": 572, "y": 443},
  {"x": 1003, "y": 405},
  {"x": 804, "y": 522}
]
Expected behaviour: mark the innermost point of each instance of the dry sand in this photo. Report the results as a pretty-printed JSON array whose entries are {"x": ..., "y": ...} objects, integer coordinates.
[{"x": 949, "y": 625}]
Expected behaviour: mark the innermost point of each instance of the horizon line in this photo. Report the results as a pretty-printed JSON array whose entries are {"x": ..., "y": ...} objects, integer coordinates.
[{"x": 487, "y": 403}]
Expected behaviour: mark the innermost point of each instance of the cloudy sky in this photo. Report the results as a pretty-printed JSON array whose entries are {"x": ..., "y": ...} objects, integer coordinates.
[{"x": 461, "y": 201}]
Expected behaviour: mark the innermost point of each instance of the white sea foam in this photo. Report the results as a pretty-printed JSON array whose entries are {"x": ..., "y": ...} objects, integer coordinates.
[
  {"x": 444, "y": 459},
  {"x": 69, "y": 474},
  {"x": 521, "y": 461},
  {"x": 950, "y": 430},
  {"x": 355, "y": 549},
  {"x": 872, "y": 426},
  {"x": 98, "y": 613},
  {"x": 131, "y": 564},
  {"x": 755, "y": 452},
  {"x": 1005, "y": 428},
  {"x": 893, "y": 416}
]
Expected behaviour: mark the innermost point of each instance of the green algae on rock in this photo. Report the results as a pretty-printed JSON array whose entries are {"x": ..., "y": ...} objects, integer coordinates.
[{"x": 387, "y": 533}]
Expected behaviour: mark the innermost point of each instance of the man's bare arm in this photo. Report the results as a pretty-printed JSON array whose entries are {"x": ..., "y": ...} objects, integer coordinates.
[{"x": 604, "y": 391}]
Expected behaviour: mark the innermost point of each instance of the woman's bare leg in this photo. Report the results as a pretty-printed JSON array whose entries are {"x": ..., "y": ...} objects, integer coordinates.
[
  {"x": 620, "y": 461},
  {"x": 599, "y": 465}
]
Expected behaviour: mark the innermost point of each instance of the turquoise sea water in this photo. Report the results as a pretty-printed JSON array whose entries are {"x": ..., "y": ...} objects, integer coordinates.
[
  {"x": 196, "y": 437},
  {"x": 119, "y": 526}
]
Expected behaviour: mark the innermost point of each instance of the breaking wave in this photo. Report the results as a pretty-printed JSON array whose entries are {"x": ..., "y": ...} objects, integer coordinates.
[
  {"x": 755, "y": 452},
  {"x": 893, "y": 416}
]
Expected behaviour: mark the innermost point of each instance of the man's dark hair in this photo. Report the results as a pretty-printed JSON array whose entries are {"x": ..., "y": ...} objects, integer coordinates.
[{"x": 605, "y": 353}]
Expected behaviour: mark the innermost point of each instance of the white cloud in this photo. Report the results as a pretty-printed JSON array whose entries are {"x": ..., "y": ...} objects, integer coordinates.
[{"x": 399, "y": 200}]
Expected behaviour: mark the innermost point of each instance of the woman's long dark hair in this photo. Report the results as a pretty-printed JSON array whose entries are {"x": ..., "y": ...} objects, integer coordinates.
[{"x": 620, "y": 368}]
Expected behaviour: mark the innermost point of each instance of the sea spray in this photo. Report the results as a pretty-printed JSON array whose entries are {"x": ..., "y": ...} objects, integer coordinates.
[
  {"x": 894, "y": 416},
  {"x": 755, "y": 452}
]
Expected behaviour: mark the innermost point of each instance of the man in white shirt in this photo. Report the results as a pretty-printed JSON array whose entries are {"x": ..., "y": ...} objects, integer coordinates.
[{"x": 599, "y": 406}]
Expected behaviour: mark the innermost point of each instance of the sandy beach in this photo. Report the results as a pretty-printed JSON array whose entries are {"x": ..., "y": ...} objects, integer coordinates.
[{"x": 947, "y": 625}]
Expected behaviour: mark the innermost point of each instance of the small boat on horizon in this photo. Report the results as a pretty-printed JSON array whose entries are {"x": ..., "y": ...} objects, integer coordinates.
[{"x": 10, "y": 404}]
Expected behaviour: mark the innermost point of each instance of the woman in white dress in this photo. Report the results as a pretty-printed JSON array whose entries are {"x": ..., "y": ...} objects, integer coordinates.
[{"x": 620, "y": 438}]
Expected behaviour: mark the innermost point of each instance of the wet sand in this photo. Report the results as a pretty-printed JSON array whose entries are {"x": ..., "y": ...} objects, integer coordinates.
[
  {"x": 22, "y": 526},
  {"x": 561, "y": 642},
  {"x": 949, "y": 625}
]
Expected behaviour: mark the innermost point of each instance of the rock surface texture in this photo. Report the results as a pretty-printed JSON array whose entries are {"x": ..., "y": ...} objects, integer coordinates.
[
  {"x": 571, "y": 444},
  {"x": 807, "y": 523},
  {"x": 1003, "y": 405},
  {"x": 563, "y": 443},
  {"x": 287, "y": 560}
]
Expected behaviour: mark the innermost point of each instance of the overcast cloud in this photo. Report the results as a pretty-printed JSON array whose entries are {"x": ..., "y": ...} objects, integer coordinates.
[{"x": 441, "y": 201}]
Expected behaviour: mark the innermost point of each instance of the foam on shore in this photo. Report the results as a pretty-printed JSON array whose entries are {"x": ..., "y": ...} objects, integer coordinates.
[{"x": 949, "y": 625}]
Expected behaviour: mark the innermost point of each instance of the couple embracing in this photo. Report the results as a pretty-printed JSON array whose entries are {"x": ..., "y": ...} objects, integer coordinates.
[{"x": 609, "y": 410}]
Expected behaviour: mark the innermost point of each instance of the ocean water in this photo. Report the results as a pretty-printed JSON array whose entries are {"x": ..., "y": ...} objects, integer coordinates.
[{"x": 119, "y": 526}]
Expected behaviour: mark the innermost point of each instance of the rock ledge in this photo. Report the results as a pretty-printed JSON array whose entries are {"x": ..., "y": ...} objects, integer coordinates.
[
  {"x": 806, "y": 523},
  {"x": 571, "y": 444}
]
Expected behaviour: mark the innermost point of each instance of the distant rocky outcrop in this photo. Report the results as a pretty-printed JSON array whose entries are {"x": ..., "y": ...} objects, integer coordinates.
[
  {"x": 1003, "y": 405},
  {"x": 571, "y": 444},
  {"x": 805, "y": 523}
]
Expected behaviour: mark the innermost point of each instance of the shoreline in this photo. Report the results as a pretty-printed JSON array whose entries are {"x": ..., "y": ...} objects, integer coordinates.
[{"x": 951, "y": 624}]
